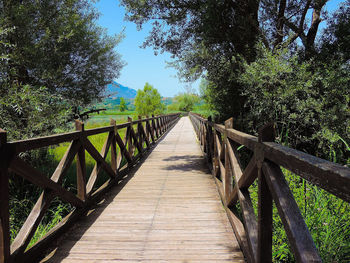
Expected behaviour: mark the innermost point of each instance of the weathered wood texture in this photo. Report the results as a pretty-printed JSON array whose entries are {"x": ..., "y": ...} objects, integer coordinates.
[
  {"x": 170, "y": 211},
  {"x": 220, "y": 143},
  {"x": 124, "y": 157}
]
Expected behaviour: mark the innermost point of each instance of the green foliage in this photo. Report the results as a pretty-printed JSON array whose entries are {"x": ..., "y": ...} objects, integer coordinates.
[
  {"x": 57, "y": 44},
  {"x": 148, "y": 101},
  {"x": 335, "y": 42},
  {"x": 308, "y": 99},
  {"x": 27, "y": 112},
  {"x": 122, "y": 105},
  {"x": 184, "y": 102}
]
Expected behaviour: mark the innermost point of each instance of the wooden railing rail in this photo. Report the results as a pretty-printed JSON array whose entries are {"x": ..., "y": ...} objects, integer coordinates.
[
  {"x": 220, "y": 142},
  {"x": 125, "y": 153}
]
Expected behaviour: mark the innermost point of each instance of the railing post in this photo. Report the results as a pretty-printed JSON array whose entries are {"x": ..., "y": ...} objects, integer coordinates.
[
  {"x": 228, "y": 180},
  {"x": 266, "y": 134},
  {"x": 139, "y": 133},
  {"x": 161, "y": 120},
  {"x": 210, "y": 144},
  {"x": 114, "y": 147},
  {"x": 131, "y": 146},
  {"x": 215, "y": 155},
  {"x": 155, "y": 127},
  {"x": 161, "y": 124},
  {"x": 4, "y": 201},
  {"x": 81, "y": 166},
  {"x": 148, "y": 130}
]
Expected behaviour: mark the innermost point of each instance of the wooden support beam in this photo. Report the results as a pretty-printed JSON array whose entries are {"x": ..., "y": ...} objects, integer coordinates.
[
  {"x": 266, "y": 133},
  {"x": 114, "y": 147},
  {"x": 228, "y": 180},
  {"x": 97, "y": 156},
  {"x": 38, "y": 211},
  {"x": 155, "y": 127},
  {"x": 123, "y": 148},
  {"x": 4, "y": 201},
  {"x": 297, "y": 232},
  {"x": 81, "y": 166}
]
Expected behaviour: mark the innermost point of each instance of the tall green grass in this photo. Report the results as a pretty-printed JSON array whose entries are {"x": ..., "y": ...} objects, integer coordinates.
[{"x": 326, "y": 216}]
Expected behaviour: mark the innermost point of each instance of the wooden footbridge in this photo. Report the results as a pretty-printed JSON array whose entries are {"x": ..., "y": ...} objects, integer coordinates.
[{"x": 169, "y": 197}]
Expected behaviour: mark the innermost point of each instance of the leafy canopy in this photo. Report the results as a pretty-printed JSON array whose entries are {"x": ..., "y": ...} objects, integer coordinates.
[
  {"x": 122, "y": 105},
  {"x": 54, "y": 60},
  {"x": 184, "y": 102},
  {"x": 148, "y": 101},
  {"x": 57, "y": 44}
]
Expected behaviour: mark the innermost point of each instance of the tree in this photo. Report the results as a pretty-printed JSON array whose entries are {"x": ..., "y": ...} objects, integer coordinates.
[
  {"x": 213, "y": 39},
  {"x": 308, "y": 102},
  {"x": 122, "y": 105},
  {"x": 54, "y": 48},
  {"x": 185, "y": 101},
  {"x": 57, "y": 44},
  {"x": 335, "y": 42},
  {"x": 148, "y": 101}
]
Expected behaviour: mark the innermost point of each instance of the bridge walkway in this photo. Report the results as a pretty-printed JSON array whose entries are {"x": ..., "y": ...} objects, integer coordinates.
[{"x": 169, "y": 211}]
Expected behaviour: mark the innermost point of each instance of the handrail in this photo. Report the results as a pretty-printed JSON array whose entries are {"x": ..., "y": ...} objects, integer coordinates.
[
  {"x": 148, "y": 132},
  {"x": 218, "y": 142}
]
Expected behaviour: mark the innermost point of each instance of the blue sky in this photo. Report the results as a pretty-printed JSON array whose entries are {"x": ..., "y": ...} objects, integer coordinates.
[{"x": 142, "y": 65}]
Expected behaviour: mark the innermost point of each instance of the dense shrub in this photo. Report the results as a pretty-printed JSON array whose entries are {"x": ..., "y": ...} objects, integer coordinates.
[{"x": 307, "y": 100}]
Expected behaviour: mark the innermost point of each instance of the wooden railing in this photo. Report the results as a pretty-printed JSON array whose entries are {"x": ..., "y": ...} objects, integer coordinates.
[
  {"x": 124, "y": 154},
  {"x": 220, "y": 142}
]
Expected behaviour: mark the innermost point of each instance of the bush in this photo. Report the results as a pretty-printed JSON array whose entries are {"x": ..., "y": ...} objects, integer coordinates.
[
  {"x": 27, "y": 112},
  {"x": 308, "y": 101},
  {"x": 148, "y": 101}
]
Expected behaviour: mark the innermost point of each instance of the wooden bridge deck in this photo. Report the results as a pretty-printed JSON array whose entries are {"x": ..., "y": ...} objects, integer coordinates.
[{"x": 170, "y": 211}]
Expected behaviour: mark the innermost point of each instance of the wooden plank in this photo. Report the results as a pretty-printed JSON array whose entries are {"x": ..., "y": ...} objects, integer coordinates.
[
  {"x": 250, "y": 222},
  {"x": 249, "y": 175},
  {"x": 143, "y": 135},
  {"x": 98, "y": 166},
  {"x": 66, "y": 162},
  {"x": 35, "y": 143},
  {"x": 245, "y": 179},
  {"x": 149, "y": 131},
  {"x": 240, "y": 233},
  {"x": 81, "y": 166},
  {"x": 155, "y": 126},
  {"x": 266, "y": 133},
  {"x": 135, "y": 139},
  {"x": 29, "y": 227},
  {"x": 38, "y": 211},
  {"x": 237, "y": 172},
  {"x": 168, "y": 211},
  {"x": 297, "y": 232},
  {"x": 264, "y": 253},
  {"x": 114, "y": 148},
  {"x": 228, "y": 181},
  {"x": 122, "y": 148},
  {"x": 332, "y": 177},
  {"x": 247, "y": 140}
]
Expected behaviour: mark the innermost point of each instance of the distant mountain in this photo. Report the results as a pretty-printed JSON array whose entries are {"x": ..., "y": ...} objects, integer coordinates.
[{"x": 116, "y": 90}]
